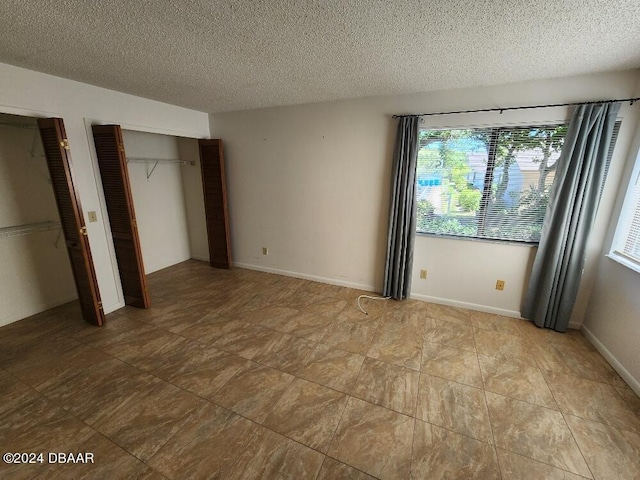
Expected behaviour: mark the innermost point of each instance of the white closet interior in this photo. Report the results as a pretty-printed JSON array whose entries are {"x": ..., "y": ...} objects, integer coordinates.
[
  {"x": 35, "y": 273},
  {"x": 166, "y": 184}
]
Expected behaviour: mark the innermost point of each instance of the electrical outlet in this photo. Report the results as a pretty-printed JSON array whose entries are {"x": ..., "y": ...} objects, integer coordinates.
[
  {"x": 92, "y": 216},
  {"x": 423, "y": 274},
  {"x": 265, "y": 251},
  {"x": 500, "y": 285}
]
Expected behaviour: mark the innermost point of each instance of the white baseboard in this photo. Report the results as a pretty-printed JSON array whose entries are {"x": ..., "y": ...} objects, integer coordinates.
[
  {"x": 200, "y": 257},
  {"x": 634, "y": 383},
  {"x": 371, "y": 288},
  {"x": 470, "y": 306},
  {"x": 315, "y": 278},
  {"x": 40, "y": 308}
]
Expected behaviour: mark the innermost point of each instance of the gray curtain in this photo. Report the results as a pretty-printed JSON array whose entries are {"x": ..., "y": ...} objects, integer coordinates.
[
  {"x": 402, "y": 215},
  {"x": 571, "y": 211}
]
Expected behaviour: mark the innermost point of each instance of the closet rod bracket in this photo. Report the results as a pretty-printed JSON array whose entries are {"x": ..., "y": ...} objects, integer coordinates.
[
  {"x": 58, "y": 237},
  {"x": 149, "y": 173},
  {"x": 157, "y": 161}
]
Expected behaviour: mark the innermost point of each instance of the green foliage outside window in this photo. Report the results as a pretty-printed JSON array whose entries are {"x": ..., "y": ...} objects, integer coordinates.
[{"x": 455, "y": 167}]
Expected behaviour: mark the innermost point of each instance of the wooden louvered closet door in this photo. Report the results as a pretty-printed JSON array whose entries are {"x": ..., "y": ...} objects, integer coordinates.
[
  {"x": 215, "y": 202},
  {"x": 117, "y": 193},
  {"x": 56, "y": 149}
]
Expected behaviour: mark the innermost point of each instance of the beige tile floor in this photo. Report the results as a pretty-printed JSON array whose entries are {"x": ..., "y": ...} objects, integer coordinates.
[{"x": 239, "y": 374}]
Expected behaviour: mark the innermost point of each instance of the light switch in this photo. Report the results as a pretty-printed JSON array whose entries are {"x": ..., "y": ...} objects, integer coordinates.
[{"x": 92, "y": 216}]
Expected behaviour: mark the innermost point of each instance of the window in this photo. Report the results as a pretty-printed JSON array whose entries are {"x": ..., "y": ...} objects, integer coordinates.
[
  {"x": 489, "y": 183},
  {"x": 626, "y": 243}
]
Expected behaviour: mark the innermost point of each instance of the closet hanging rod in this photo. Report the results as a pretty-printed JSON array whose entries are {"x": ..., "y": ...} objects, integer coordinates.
[
  {"x": 26, "y": 229},
  {"x": 157, "y": 160}
]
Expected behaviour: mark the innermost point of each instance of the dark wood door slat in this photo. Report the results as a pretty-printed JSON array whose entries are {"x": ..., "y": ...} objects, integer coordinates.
[
  {"x": 114, "y": 173},
  {"x": 56, "y": 149},
  {"x": 215, "y": 202}
]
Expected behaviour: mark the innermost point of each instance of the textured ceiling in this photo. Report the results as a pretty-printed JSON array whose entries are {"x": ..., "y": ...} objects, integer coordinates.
[{"x": 239, "y": 54}]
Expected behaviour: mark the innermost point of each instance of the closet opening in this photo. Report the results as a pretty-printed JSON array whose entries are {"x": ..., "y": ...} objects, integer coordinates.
[
  {"x": 44, "y": 248},
  {"x": 157, "y": 204}
]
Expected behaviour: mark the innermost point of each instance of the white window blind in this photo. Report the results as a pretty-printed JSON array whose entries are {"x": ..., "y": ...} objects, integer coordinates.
[
  {"x": 626, "y": 244},
  {"x": 489, "y": 183}
]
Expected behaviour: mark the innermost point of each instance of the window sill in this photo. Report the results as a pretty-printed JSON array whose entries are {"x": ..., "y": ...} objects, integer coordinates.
[
  {"x": 624, "y": 261},
  {"x": 475, "y": 239}
]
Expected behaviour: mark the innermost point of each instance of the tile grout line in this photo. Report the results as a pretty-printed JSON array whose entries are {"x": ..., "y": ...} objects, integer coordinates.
[
  {"x": 544, "y": 463},
  {"x": 535, "y": 459},
  {"x": 349, "y": 397},
  {"x": 611, "y": 387},
  {"x": 251, "y": 437},
  {"x": 577, "y": 445},
  {"x": 182, "y": 425},
  {"x": 486, "y": 404},
  {"x": 415, "y": 412},
  {"x": 71, "y": 414},
  {"x": 566, "y": 424},
  {"x": 629, "y": 406},
  {"x": 247, "y": 418},
  {"x": 260, "y": 425},
  {"x": 493, "y": 434},
  {"x": 150, "y": 373}
]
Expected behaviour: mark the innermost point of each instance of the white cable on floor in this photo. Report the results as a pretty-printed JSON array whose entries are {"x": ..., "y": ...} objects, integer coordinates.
[{"x": 372, "y": 298}]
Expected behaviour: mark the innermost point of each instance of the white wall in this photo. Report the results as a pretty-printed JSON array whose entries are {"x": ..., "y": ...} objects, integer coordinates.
[
  {"x": 470, "y": 283},
  {"x": 312, "y": 182},
  {"x": 25, "y": 92},
  {"x": 158, "y": 200},
  {"x": 309, "y": 183},
  {"x": 35, "y": 273},
  {"x": 612, "y": 319}
]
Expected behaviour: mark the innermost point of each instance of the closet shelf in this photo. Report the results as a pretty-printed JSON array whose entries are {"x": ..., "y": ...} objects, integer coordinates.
[{"x": 28, "y": 228}]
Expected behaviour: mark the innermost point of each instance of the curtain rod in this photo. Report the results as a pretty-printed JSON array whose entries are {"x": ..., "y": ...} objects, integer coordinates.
[{"x": 504, "y": 109}]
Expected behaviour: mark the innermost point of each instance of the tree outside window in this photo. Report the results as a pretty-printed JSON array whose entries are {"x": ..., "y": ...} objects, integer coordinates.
[{"x": 490, "y": 183}]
